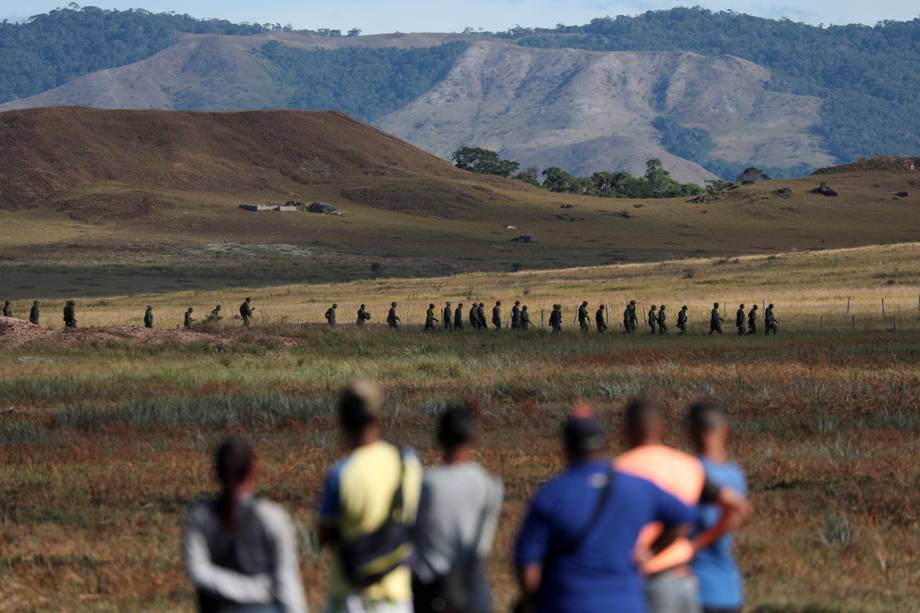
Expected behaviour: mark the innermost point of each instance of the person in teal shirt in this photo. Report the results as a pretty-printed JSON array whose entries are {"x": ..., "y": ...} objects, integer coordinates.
[{"x": 720, "y": 580}]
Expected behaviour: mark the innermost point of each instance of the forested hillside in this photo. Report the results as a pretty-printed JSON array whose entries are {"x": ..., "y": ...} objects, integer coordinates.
[
  {"x": 866, "y": 76},
  {"x": 53, "y": 48},
  {"x": 365, "y": 83}
]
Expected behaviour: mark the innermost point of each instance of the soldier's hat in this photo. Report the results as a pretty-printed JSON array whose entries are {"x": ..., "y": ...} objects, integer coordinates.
[
  {"x": 71, "y": 302},
  {"x": 525, "y": 307},
  {"x": 335, "y": 306},
  {"x": 771, "y": 305},
  {"x": 755, "y": 307},
  {"x": 430, "y": 306},
  {"x": 36, "y": 302},
  {"x": 362, "y": 306},
  {"x": 392, "y": 304},
  {"x": 248, "y": 298},
  {"x": 517, "y": 302},
  {"x": 149, "y": 307},
  {"x": 684, "y": 307},
  {"x": 585, "y": 302},
  {"x": 498, "y": 302},
  {"x": 742, "y": 305},
  {"x": 632, "y": 302},
  {"x": 715, "y": 304},
  {"x": 191, "y": 309}
]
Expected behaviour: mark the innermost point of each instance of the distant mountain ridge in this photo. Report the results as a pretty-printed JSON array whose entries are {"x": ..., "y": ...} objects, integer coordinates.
[{"x": 708, "y": 93}]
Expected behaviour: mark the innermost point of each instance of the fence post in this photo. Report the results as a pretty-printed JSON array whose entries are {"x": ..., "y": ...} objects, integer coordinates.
[
  {"x": 883, "y": 307},
  {"x": 821, "y": 323},
  {"x": 848, "y": 305},
  {"x": 541, "y": 318}
]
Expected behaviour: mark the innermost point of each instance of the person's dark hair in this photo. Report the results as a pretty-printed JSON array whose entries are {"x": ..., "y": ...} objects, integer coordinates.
[
  {"x": 639, "y": 416},
  {"x": 358, "y": 407},
  {"x": 702, "y": 418},
  {"x": 456, "y": 428},
  {"x": 583, "y": 433},
  {"x": 233, "y": 463}
]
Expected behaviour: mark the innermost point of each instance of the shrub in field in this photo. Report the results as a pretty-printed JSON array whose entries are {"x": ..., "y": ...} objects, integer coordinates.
[{"x": 836, "y": 530}]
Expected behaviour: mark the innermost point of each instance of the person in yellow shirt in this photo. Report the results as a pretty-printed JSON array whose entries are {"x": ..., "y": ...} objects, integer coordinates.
[{"x": 369, "y": 502}]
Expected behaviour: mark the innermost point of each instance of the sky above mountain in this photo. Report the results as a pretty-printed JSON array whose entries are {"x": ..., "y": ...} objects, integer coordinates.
[{"x": 373, "y": 16}]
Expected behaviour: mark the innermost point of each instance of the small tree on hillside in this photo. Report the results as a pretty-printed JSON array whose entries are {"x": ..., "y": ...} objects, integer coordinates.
[{"x": 483, "y": 161}]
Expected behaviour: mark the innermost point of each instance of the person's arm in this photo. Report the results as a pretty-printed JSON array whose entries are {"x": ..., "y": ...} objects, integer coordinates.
[
  {"x": 490, "y": 523},
  {"x": 205, "y": 575},
  {"x": 328, "y": 525},
  {"x": 288, "y": 589},
  {"x": 676, "y": 518},
  {"x": 530, "y": 552},
  {"x": 735, "y": 511}
]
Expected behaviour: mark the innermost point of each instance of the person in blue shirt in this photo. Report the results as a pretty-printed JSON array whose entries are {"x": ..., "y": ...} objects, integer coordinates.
[
  {"x": 576, "y": 548},
  {"x": 720, "y": 581}
]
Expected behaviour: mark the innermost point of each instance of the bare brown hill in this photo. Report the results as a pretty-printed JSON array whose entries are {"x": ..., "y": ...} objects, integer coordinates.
[
  {"x": 119, "y": 202},
  {"x": 47, "y": 154}
]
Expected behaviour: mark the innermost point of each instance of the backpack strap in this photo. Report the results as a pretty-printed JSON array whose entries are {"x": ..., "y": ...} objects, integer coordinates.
[{"x": 576, "y": 543}]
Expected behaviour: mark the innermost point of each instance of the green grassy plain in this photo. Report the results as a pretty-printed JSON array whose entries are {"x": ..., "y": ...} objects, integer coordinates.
[{"x": 105, "y": 433}]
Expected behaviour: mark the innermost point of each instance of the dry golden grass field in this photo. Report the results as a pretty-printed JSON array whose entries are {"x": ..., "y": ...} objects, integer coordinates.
[{"x": 105, "y": 432}]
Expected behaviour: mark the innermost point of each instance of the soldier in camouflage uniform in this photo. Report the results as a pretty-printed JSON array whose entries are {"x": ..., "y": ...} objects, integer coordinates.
[
  {"x": 682, "y": 320},
  {"x": 525, "y": 318},
  {"x": 715, "y": 320},
  {"x": 330, "y": 315},
  {"x": 246, "y": 311},
  {"x": 216, "y": 314},
  {"x": 363, "y": 316},
  {"x": 584, "y": 320},
  {"x": 70, "y": 314},
  {"x": 148, "y": 317},
  {"x": 739, "y": 319},
  {"x": 392, "y": 318},
  {"x": 653, "y": 318},
  {"x": 630, "y": 319},
  {"x": 188, "y": 320},
  {"x": 516, "y": 315},
  {"x": 600, "y": 320},
  {"x": 7, "y": 309},
  {"x": 752, "y": 320},
  {"x": 769, "y": 321},
  {"x": 555, "y": 319},
  {"x": 662, "y": 320},
  {"x": 447, "y": 316},
  {"x": 430, "y": 319},
  {"x": 481, "y": 316},
  {"x": 497, "y": 315},
  {"x": 35, "y": 313},
  {"x": 474, "y": 316},
  {"x": 458, "y": 317}
]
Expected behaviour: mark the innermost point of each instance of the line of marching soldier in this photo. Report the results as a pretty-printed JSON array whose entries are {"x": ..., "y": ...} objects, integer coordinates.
[{"x": 456, "y": 318}]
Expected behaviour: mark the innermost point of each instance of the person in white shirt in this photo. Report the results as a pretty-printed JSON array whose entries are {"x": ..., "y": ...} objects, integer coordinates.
[{"x": 240, "y": 551}]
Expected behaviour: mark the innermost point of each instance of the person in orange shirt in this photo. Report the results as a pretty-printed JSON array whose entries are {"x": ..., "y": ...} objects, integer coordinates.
[{"x": 670, "y": 583}]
